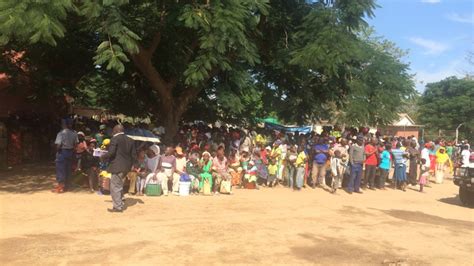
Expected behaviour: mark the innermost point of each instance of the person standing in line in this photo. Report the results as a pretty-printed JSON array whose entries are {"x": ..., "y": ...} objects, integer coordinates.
[
  {"x": 400, "y": 158},
  {"x": 121, "y": 156},
  {"x": 414, "y": 156},
  {"x": 300, "y": 167},
  {"x": 66, "y": 141},
  {"x": 291, "y": 157},
  {"x": 371, "y": 161},
  {"x": 384, "y": 166},
  {"x": 276, "y": 154},
  {"x": 356, "y": 158},
  {"x": 321, "y": 155}
]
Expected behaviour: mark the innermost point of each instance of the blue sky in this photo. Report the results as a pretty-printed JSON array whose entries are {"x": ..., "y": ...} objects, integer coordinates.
[{"x": 437, "y": 33}]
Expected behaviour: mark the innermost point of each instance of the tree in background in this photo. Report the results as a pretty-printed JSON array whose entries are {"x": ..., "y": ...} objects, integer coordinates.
[
  {"x": 214, "y": 59},
  {"x": 381, "y": 87},
  {"x": 446, "y": 104}
]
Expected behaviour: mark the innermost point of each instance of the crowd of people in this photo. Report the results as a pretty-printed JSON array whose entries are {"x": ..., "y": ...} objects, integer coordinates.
[{"x": 216, "y": 160}]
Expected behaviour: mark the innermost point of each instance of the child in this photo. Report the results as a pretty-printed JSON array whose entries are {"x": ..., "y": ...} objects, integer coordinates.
[
  {"x": 90, "y": 165},
  {"x": 336, "y": 170},
  {"x": 272, "y": 172},
  {"x": 141, "y": 173},
  {"x": 424, "y": 173},
  {"x": 251, "y": 174}
]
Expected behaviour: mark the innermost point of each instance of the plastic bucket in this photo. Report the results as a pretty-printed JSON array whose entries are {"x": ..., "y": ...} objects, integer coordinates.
[{"x": 184, "y": 188}]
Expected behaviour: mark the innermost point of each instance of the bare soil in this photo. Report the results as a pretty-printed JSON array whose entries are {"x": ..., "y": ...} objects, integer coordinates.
[{"x": 269, "y": 226}]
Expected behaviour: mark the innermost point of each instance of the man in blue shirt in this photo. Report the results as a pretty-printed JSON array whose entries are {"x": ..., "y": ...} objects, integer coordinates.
[
  {"x": 320, "y": 156},
  {"x": 66, "y": 141}
]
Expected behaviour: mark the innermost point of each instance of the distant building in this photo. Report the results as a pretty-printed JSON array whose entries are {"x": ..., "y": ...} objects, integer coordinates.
[{"x": 404, "y": 126}]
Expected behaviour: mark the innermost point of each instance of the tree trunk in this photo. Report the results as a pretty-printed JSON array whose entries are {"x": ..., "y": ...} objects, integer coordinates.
[
  {"x": 170, "y": 121},
  {"x": 172, "y": 107}
]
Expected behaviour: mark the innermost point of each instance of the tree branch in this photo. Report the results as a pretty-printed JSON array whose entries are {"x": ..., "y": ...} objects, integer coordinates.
[
  {"x": 191, "y": 93},
  {"x": 154, "y": 44},
  {"x": 142, "y": 60},
  {"x": 157, "y": 38}
]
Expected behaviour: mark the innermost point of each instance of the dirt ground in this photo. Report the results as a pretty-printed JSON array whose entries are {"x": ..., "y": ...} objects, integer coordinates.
[{"x": 269, "y": 226}]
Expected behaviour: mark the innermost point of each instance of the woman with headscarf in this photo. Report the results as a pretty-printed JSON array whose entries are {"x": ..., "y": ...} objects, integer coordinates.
[
  {"x": 442, "y": 160},
  {"x": 152, "y": 161},
  {"x": 206, "y": 176}
]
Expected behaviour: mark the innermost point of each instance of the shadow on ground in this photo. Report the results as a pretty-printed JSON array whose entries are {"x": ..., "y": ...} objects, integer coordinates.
[
  {"x": 327, "y": 250},
  {"x": 61, "y": 248},
  {"x": 130, "y": 202},
  {"x": 34, "y": 178},
  {"x": 454, "y": 200},
  {"x": 420, "y": 217}
]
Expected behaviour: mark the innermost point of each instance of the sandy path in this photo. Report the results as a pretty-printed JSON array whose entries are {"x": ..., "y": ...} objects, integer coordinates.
[{"x": 270, "y": 226}]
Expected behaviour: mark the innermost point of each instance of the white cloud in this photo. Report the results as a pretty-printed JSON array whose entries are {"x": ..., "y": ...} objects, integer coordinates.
[
  {"x": 454, "y": 68},
  {"x": 432, "y": 47},
  {"x": 431, "y": 1},
  {"x": 461, "y": 18}
]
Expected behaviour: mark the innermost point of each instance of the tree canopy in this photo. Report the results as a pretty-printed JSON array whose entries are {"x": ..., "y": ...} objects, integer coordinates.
[
  {"x": 233, "y": 60},
  {"x": 446, "y": 104}
]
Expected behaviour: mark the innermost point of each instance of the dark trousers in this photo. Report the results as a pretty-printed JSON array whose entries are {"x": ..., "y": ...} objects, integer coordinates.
[
  {"x": 354, "y": 180},
  {"x": 370, "y": 175},
  {"x": 64, "y": 165},
  {"x": 383, "y": 177},
  {"x": 116, "y": 189}
]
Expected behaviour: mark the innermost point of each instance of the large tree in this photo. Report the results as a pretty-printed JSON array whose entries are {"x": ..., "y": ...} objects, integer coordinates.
[
  {"x": 218, "y": 58},
  {"x": 446, "y": 104}
]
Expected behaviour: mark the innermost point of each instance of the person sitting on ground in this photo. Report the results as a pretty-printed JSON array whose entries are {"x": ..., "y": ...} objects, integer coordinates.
[
  {"x": 137, "y": 174},
  {"x": 179, "y": 170},
  {"x": 193, "y": 169},
  {"x": 220, "y": 170},
  {"x": 250, "y": 175},
  {"x": 167, "y": 169},
  {"x": 205, "y": 176},
  {"x": 152, "y": 164},
  {"x": 235, "y": 169}
]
